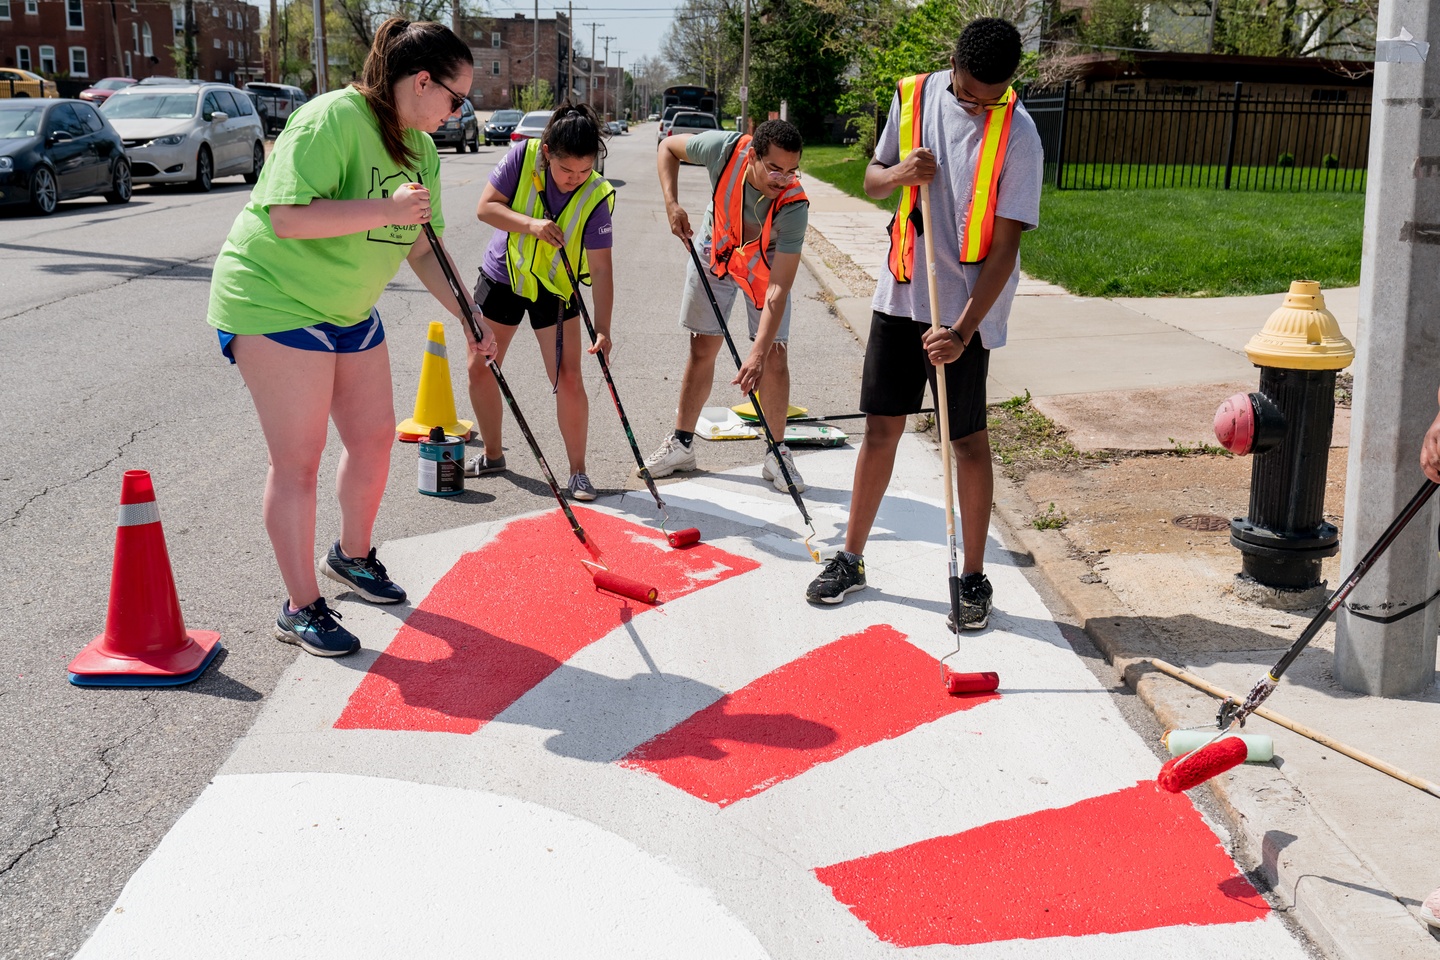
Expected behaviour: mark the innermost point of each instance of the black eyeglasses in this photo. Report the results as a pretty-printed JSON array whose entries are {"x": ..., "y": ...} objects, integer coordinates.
[{"x": 455, "y": 99}]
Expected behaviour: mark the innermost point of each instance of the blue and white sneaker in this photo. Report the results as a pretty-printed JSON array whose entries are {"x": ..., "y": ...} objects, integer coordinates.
[
  {"x": 365, "y": 576},
  {"x": 581, "y": 488},
  {"x": 314, "y": 630}
]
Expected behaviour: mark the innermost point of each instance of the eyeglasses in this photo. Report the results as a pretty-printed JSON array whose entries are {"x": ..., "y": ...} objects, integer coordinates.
[
  {"x": 976, "y": 106},
  {"x": 781, "y": 178},
  {"x": 455, "y": 99}
]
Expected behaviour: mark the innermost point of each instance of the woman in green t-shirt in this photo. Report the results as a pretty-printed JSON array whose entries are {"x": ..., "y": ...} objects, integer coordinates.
[{"x": 339, "y": 205}]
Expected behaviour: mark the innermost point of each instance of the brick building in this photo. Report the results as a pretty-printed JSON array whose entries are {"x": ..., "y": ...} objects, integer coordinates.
[
  {"x": 505, "y": 62},
  {"x": 78, "y": 39}
]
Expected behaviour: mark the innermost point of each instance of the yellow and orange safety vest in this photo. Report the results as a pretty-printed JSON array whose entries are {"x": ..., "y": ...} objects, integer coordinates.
[
  {"x": 748, "y": 264},
  {"x": 979, "y": 223}
]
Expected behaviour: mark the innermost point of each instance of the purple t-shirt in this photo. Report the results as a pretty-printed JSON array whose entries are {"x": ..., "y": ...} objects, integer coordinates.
[{"x": 506, "y": 178}]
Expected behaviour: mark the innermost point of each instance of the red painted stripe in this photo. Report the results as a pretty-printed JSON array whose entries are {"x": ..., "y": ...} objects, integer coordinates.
[
  {"x": 507, "y": 615},
  {"x": 859, "y": 690},
  {"x": 1132, "y": 860}
]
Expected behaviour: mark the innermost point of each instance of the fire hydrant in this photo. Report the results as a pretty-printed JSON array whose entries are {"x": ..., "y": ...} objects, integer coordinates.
[{"x": 1287, "y": 425}]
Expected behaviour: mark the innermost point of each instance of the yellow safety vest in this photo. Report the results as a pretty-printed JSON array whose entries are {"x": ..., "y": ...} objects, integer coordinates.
[
  {"x": 978, "y": 226},
  {"x": 532, "y": 263}
]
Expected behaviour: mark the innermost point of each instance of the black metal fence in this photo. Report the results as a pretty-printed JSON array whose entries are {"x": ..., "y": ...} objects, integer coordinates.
[{"x": 1230, "y": 139}]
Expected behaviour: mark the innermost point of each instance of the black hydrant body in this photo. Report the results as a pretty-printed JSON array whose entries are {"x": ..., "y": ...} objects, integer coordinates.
[{"x": 1287, "y": 424}]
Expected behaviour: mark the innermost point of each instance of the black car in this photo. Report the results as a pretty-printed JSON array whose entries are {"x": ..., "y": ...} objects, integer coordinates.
[
  {"x": 500, "y": 125},
  {"x": 52, "y": 150},
  {"x": 461, "y": 131}
]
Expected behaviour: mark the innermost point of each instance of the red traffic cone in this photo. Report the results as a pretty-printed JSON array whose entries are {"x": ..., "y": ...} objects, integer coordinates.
[{"x": 145, "y": 643}]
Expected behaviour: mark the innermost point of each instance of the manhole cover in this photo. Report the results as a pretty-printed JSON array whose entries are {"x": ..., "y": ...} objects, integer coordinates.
[{"x": 1206, "y": 522}]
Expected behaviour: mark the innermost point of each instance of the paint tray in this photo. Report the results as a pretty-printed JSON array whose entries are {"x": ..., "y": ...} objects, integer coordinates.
[{"x": 719, "y": 423}]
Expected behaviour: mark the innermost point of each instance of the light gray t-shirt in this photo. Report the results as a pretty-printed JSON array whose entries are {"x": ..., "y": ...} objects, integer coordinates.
[
  {"x": 954, "y": 137},
  {"x": 787, "y": 230}
]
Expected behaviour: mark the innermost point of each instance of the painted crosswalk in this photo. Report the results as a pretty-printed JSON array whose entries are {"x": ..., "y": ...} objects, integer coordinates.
[{"x": 522, "y": 766}]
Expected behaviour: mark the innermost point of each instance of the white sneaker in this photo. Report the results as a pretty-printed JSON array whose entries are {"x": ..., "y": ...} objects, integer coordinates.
[
  {"x": 771, "y": 471},
  {"x": 1430, "y": 910},
  {"x": 672, "y": 455}
]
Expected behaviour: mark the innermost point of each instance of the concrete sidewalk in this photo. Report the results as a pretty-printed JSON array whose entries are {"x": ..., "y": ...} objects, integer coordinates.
[{"x": 1345, "y": 845}]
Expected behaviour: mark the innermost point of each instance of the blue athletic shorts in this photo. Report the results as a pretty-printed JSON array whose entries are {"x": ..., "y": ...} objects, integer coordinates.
[{"x": 356, "y": 338}]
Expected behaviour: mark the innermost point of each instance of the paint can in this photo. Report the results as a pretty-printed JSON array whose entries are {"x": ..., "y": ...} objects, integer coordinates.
[{"x": 442, "y": 464}]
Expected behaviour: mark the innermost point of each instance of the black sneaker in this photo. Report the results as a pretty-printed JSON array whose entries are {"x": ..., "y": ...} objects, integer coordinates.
[
  {"x": 366, "y": 576},
  {"x": 844, "y": 573},
  {"x": 314, "y": 630},
  {"x": 975, "y": 594}
]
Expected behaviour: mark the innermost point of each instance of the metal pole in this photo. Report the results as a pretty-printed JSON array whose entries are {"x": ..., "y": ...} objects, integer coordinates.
[
  {"x": 745, "y": 74},
  {"x": 620, "y": 66},
  {"x": 1385, "y": 633},
  {"x": 321, "y": 61},
  {"x": 570, "y": 54},
  {"x": 273, "y": 75},
  {"x": 1234, "y": 131},
  {"x": 1060, "y": 147}
]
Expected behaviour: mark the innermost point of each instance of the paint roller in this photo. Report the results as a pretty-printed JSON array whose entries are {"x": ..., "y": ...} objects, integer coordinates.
[
  {"x": 679, "y": 538},
  {"x": 614, "y": 583},
  {"x": 1218, "y": 756}
]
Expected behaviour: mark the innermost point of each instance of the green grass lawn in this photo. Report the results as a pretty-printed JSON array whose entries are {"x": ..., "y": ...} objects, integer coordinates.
[{"x": 1170, "y": 242}]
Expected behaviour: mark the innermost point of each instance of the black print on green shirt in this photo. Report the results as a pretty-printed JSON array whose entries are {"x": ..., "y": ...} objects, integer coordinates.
[{"x": 380, "y": 189}]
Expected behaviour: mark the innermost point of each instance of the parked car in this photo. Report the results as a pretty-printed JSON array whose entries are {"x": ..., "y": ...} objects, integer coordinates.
[
  {"x": 500, "y": 125},
  {"x": 693, "y": 122},
  {"x": 531, "y": 124},
  {"x": 192, "y": 133},
  {"x": 15, "y": 82},
  {"x": 101, "y": 91},
  {"x": 277, "y": 101},
  {"x": 460, "y": 131},
  {"x": 652, "y": 118},
  {"x": 624, "y": 125},
  {"x": 613, "y": 127},
  {"x": 53, "y": 150}
]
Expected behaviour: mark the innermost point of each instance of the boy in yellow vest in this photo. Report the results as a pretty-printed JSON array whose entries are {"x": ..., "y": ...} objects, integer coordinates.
[
  {"x": 751, "y": 239},
  {"x": 963, "y": 132}
]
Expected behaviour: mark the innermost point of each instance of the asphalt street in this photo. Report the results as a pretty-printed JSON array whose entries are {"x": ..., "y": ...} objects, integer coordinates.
[{"x": 107, "y": 365}]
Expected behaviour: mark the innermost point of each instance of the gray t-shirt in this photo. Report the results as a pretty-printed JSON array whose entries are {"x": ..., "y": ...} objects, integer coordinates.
[
  {"x": 787, "y": 231},
  {"x": 954, "y": 137}
]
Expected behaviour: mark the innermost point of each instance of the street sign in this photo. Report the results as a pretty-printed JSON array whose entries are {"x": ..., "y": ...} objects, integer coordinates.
[{"x": 745, "y": 93}]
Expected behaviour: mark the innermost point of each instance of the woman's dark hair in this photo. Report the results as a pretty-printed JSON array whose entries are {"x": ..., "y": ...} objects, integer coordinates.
[
  {"x": 989, "y": 50},
  {"x": 575, "y": 130},
  {"x": 402, "y": 49}
]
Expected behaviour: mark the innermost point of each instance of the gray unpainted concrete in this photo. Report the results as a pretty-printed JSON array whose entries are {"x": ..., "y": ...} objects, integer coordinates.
[{"x": 1397, "y": 370}]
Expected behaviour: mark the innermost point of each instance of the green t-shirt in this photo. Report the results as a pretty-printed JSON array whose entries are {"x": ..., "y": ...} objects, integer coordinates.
[
  {"x": 787, "y": 233},
  {"x": 330, "y": 149}
]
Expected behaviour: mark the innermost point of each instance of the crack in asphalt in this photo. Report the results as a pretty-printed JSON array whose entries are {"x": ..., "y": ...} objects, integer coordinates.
[
  {"x": 119, "y": 452},
  {"x": 174, "y": 265},
  {"x": 59, "y": 810}
]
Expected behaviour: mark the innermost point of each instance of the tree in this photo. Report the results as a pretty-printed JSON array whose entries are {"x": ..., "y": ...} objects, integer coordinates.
[
  {"x": 790, "y": 60},
  {"x": 697, "y": 45},
  {"x": 535, "y": 96}
]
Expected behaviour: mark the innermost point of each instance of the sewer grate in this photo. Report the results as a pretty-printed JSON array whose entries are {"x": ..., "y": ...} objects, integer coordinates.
[{"x": 1203, "y": 522}]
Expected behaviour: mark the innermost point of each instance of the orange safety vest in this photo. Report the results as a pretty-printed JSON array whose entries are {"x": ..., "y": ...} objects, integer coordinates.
[
  {"x": 979, "y": 224},
  {"x": 747, "y": 264}
]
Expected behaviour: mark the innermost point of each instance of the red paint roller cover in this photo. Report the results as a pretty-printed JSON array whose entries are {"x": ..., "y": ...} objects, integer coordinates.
[
  {"x": 625, "y": 587},
  {"x": 971, "y": 682},
  {"x": 683, "y": 538},
  {"x": 1193, "y": 769}
]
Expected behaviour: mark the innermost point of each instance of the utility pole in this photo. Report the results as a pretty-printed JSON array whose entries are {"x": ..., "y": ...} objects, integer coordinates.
[
  {"x": 535, "y": 56},
  {"x": 115, "y": 38},
  {"x": 273, "y": 74},
  {"x": 745, "y": 75},
  {"x": 1380, "y": 649},
  {"x": 620, "y": 66},
  {"x": 322, "y": 60},
  {"x": 604, "y": 103},
  {"x": 570, "y": 54},
  {"x": 590, "y": 74},
  {"x": 191, "y": 56}
]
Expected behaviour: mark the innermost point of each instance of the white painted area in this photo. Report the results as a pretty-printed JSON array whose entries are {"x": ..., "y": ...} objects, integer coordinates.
[
  {"x": 544, "y": 771},
  {"x": 319, "y": 866}
]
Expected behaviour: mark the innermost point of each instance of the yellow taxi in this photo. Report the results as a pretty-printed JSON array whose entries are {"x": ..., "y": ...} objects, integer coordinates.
[{"x": 23, "y": 83}]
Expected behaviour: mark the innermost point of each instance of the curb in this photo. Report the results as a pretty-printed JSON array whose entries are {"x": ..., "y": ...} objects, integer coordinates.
[
  {"x": 1333, "y": 895},
  {"x": 852, "y": 311}
]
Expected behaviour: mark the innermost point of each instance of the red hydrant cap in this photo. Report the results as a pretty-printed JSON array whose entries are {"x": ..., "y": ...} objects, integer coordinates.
[{"x": 1235, "y": 424}]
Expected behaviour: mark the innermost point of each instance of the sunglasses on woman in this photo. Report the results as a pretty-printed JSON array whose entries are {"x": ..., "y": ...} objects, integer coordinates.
[{"x": 455, "y": 99}]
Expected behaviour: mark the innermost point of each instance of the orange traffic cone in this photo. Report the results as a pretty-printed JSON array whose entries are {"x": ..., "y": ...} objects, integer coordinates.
[
  {"x": 145, "y": 643},
  {"x": 434, "y": 401}
]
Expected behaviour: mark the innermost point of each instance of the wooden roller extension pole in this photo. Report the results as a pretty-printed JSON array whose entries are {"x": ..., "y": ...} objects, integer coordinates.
[{"x": 1374, "y": 763}]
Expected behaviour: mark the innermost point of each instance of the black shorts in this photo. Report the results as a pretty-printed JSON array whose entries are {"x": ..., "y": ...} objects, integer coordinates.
[
  {"x": 501, "y": 304},
  {"x": 896, "y": 371}
]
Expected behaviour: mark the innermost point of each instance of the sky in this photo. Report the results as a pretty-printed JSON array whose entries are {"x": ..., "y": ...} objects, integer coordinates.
[{"x": 638, "y": 26}]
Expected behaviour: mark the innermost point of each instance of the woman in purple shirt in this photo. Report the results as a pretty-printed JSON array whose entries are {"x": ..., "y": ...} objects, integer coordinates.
[{"x": 522, "y": 274}]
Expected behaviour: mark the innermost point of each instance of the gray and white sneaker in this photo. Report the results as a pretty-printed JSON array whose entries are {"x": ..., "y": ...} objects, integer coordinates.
[
  {"x": 581, "y": 488},
  {"x": 771, "y": 471},
  {"x": 670, "y": 456},
  {"x": 480, "y": 465}
]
